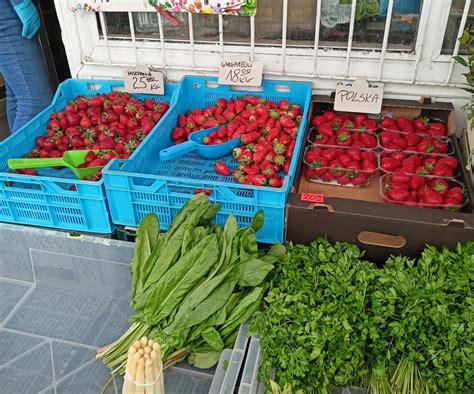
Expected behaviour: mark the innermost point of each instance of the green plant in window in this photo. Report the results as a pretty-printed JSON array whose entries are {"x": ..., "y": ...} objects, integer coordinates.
[
  {"x": 364, "y": 8},
  {"x": 467, "y": 41}
]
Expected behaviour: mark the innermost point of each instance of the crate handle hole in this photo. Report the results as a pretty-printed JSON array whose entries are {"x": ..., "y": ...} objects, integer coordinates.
[
  {"x": 282, "y": 88},
  {"x": 93, "y": 86},
  {"x": 208, "y": 84},
  {"x": 256, "y": 89},
  {"x": 380, "y": 239},
  {"x": 117, "y": 88}
]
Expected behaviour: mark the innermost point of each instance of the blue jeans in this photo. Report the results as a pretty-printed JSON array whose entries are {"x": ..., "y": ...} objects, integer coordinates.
[{"x": 23, "y": 68}]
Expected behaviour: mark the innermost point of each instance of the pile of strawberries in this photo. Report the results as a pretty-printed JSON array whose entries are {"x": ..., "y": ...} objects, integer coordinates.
[
  {"x": 341, "y": 130},
  {"x": 421, "y": 191},
  {"x": 113, "y": 121},
  {"x": 421, "y": 125},
  {"x": 421, "y": 164},
  {"x": 267, "y": 133},
  {"x": 343, "y": 166},
  {"x": 392, "y": 140}
]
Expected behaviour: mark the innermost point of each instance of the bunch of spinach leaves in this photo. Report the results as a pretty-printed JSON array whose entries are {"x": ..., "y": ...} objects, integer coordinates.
[{"x": 193, "y": 285}]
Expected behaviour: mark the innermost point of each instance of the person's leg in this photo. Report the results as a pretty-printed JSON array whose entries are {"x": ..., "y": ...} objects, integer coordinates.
[
  {"x": 22, "y": 65},
  {"x": 11, "y": 106}
]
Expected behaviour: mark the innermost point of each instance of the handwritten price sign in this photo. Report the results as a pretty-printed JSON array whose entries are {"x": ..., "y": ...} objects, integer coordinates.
[
  {"x": 317, "y": 198},
  {"x": 142, "y": 79},
  {"x": 240, "y": 72}
]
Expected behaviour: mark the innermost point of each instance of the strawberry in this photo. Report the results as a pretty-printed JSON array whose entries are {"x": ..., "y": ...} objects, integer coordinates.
[
  {"x": 318, "y": 120},
  {"x": 400, "y": 156},
  {"x": 399, "y": 141},
  {"x": 343, "y": 137},
  {"x": 385, "y": 138},
  {"x": 275, "y": 182},
  {"x": 368, "y": 165},
  {"x": 408, "y": 129},
  {"x": 326, "y": 130},
  {"x": 257, "y": 180},
  {"x": 389, "y": 164},
  {"x": 368, "y": 140},
  {"x": 329, "y": 115},
  {"x": 440, "y": 186},
  {"x": 402, "y": 122},
  {"x": 355, "y": 154},
  {"x": 286, "y": 166},
  {"x": 443, "y": 170},
  {"x": 416, "y": 182},
  {"x": 437, "y": 129},
  {"x": 425, "y": 146},
  {"x": 329, "y": 154},
  {"x": 421, "y": 123},
  {"x": 440, "y": 145},
  {"x": 369, "y": 156},
  {"x": 388, "y": 123},
  {"x": 221, "y": 168},
  {"x": 398, "y": 194},
  {"x": 359, "y": 179},
  {"x": 344, "y": 180},
  {"x": 326, "y": 177},
  {"x": 344, "y": 159},
  {"x": 455, "y": 193},
  {"x": 400, "y": 177},
  {"x": 449, "y": 161},
  {"x": 432, "y": 197},
  {"x": 449, "y": 201},
  {"x": 177, "y": 133},
  {"x": 360, "y": 118}
]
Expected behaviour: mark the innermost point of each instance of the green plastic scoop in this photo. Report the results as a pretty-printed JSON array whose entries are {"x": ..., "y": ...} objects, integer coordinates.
[{"x": 71, "y": 159}]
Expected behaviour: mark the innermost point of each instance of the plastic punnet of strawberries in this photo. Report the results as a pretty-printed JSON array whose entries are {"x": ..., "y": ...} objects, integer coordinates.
[
  {"x": 108, "y": 122},
  {"x": 333, "y": 129},
  {"x": 416, "y": 190},
  {"x": 267, "y": 131},
  {"x": 421, "y": 125}
]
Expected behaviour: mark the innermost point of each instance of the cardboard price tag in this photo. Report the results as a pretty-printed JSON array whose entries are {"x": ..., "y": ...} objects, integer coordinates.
[
  {"x": 240, "y": 72},
  {"x": 358, "y": 96},
  {"x": 317, "y": 198},
  {"x": 142, "y": 79}
]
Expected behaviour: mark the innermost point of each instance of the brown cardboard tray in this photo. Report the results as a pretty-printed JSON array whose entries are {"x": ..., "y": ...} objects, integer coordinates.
[{"x": 359, "y": 216}]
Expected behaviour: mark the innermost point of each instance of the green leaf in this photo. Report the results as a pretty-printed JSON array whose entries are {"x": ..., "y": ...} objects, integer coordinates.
[
  {"x": 258, "y": 220},
  {"x": 464, "y": 39},
  {"x": 460, "y": 60},
  {"x": 145, "y": 242},
  {"x": 251, "y": 273},
  {"x": 159, "y": 301},
  {"x": 213, "y": 339},
  {"x": 204, "y": 359}
]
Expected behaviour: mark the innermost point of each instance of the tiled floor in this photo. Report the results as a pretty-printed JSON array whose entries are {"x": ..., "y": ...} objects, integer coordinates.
[{"x": 60, "y": 299}]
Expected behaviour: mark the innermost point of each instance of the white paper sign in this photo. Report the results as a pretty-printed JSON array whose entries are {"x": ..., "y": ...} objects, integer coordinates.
[
  {"x": 240, "y": 71},
  {"x": 358, "y": 96},
  {"x": 142, "y": 79}
]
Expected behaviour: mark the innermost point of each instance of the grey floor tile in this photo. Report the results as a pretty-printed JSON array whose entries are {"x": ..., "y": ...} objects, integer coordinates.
[
  {"x": 30, "y": 373},
  {"x": 15, "y": 262},
  {"x": 88, "y": 380},
  {"x": 10, "y": 295},
  {"x": 67, "y": 358},
  {"x": 15, "y": 344}
]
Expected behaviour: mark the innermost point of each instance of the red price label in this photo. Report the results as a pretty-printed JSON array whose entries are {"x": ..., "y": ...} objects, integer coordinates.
[{"x": 317, "y": 198}]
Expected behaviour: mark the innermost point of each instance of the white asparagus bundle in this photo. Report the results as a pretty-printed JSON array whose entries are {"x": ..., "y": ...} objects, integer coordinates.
[{"x": 144, "y": 370}]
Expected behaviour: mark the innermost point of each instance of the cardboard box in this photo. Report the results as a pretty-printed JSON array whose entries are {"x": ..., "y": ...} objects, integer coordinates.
[{"x": 359, "y": 216}]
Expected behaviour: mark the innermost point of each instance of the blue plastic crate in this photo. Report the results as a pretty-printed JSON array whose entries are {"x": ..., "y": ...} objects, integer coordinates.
[
  {"x": 146, "y": 184},
  {"x": 46, "y": 200}
]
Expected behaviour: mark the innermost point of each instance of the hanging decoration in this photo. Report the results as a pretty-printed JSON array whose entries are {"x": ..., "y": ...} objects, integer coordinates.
[{"x": 224, "y": 7}]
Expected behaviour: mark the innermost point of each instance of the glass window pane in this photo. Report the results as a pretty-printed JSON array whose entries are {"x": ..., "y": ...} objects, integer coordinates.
[
  {"x": 117, "y": 24},
  {"x": 269, "y": 22},
  {"x": 206, "y": 28},
  {"x": 451, "y": 35},
  {"x": 146, "y": 25},
  {"x": 179, "y": 33}
]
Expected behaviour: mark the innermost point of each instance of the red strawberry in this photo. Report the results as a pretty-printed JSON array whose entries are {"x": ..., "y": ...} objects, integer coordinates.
[
  {"x": 440, "y": 146},
  {"x": 369, "y": 156},
  {"x": 355, "y": 154},
  {"x": 437, "y": 128},
  {"x": 326, "y": 130},
  {"x": 389, "y": 164},
  {"x": 388, "y": 123},
  {"x": 344, "y": 180},
  {"x": 344, "y": 159},
  {"x": 416, "y": 182},
  {"x": 450, "y": 201},
  {"x": 329, "y": 154},
  {"x": 360, "y": 118},
  {"x": 318, "y": 120},
  {"x": 399, "y": 155},
  {"x": 421, "y": 123},
  {"x": 385, "y": 138},
  {"x": 455, "y": 193},
  {"x": 398, "y": 194},
  {"x": 440, "y": 186},
  {"x": 286, "y": 166},
  {"x": 368, "y": 140},
  {"x": 275, "y": 182},
  {"x": 257, "y": 180},
  {"x": 368, "y": 165},
  {"x": 402, "y": 122},
  {"x": 359, "y": 179},
  {"x": 400, "y": 177},
  {"x": 400, "y": 142},
  {"x": 425, "y": 146},
  {"x": 441, "y": 169},
  {"x": 221, "y": 168},
  {"x": 449, "y": 161},
  {"x": 432, "y": 197}
]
